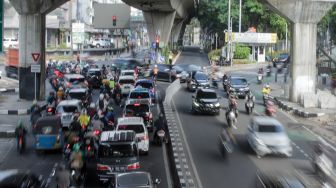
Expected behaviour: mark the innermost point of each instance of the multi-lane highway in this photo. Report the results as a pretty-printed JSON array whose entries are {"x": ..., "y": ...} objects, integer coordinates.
[{"x": 201, "y": 134}]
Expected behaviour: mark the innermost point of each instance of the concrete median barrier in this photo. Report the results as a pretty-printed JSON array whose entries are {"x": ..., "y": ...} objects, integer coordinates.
[{"x": 171, "y": 90}]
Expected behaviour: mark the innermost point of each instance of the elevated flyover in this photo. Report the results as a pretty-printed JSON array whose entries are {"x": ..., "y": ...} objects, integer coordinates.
[{"x": 165, "y": 18}]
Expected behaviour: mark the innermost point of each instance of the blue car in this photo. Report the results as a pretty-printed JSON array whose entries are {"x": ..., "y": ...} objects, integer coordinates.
[
  {"x": 48, "y": 133},
  {"x": 148, "y": 84}
]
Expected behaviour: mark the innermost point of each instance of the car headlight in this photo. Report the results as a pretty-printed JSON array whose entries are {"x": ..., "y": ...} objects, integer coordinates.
[
  {"x": 217, "y": 104},
  {"x": 196, "y": 104},
  {"x": 259, "y": 142}
]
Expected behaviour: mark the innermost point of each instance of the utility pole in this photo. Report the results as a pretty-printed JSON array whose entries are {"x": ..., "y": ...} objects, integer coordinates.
[
  {"x": 286, "y": 38},
  {"x": 240, "y": 14},
  {"x": 70, "y": 21},
  {"x": 216, "y": 35}
]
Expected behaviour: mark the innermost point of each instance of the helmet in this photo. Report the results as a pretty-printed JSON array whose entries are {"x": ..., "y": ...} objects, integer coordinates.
[
  {"x": 76, "y": 147},
  {"x": 267, "y": 85},
  {"x": 60, "y": 89},
  {"x": 92, "y": 105},
  {"x": 155, "y": 65},
  {"x": 101, "y": 96},
  {"x": 84, "y": 111}
]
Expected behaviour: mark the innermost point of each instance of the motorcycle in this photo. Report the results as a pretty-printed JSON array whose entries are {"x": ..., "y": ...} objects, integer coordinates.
[
  {"x": 118, "y": 98},
  {"x": 260, "y": 78},
  {"x": 215, "y": 83},
  {"x": 160, "y": 137},
  {"x": 50, "y": 110},
  {"x": 231, "y": 118},
  {"x": 268, "y": 71},
  {"x": 225, "y": 144},
  {"x": 225, "y": 85},
  {"x": 21, "y": 143},
  {"x": 77, "y": 176},
  {"x": 249, "y": 104},
  {"x": 270, "y": 109}
]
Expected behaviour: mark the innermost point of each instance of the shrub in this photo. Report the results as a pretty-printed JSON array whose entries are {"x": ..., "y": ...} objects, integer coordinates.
[
  {"x": 214, "y": 54},
  {"x": 243, "y": 61},
  {"x": 242, "y": 52}
]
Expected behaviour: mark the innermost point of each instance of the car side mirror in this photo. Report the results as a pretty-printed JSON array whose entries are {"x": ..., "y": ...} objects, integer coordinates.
[{"x": 157, "y": 181}]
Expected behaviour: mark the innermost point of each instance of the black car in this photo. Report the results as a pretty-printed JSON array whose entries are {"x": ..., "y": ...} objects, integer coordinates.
[
  {"x": 134, "y": 179},
  {"x": 281, "y": 61},
  {"x": 278, "y": 180},
  {"x": 94, "y": 77},
  {"x": 239, "y": 85},
  {"x": 164, "y": 72},
  {"x": 117, "y": 153},
  {"x": 198, "y": 79},
  {"x": 21, "y": 178},
  {"x": 205, "y": 101}
]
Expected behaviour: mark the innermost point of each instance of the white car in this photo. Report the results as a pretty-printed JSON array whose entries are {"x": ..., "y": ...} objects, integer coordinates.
[
  {"x": 101, "y": 43},
  {"x": 137, "y": 125},
  {"x": 126, "y": 84},
  {"x": 266, "y": 135},
  {"x": 128, "y": 73},
  {"x": 66, "y": 109}
]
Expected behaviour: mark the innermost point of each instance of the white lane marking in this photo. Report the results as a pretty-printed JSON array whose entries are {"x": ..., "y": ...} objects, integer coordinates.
[
  {"x": 165, "y": 160},
  {"x": 188, "y": 149},
  {"x": 8, "y": 150},
  {"x": 52, "y": 174}
]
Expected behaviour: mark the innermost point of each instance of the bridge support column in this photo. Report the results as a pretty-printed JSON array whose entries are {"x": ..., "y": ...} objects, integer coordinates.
[
  {"x": 159, "y": 23},
  {"x": 304, "y": 15},
  {"x": 176, "y": 30},
  {"x": 32, "y": 39}
]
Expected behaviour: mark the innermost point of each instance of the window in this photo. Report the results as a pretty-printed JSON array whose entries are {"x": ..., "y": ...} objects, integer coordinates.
[
  {"x": 67, "y": 109},
  {"x": 126, "y": 81},
  {"x": 238, "y": 81},
  {"x": 139, "y": 95},
  {"x": 206, "y": 95},
  {"x": 144, "y": 85},
  {"x": 136, "y": 110},
  {"x": 116, "y": 151},
  {"x": 270, "y": 129},
  {"x": 138, "y": 129}
]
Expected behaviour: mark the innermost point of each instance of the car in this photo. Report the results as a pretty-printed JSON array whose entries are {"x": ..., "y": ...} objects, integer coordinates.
[
  {"x": 126, "y": 83},
  {"x": 21, "y": 178},
  {"x": 128, "y": 73},
  {"x": 239, "y": 85},
  {"x": 134, "y": 179},
  {"x": 279, "y": 180},
  {"x": 139, "y": 108},
  {"x": 183, "y": 69},
  {"x": 148, "y": 84},
  {"x": 94, "y": 77},
  {"x": 73, "y": 79},
  {"x": 164, "y": 73},
  {"x": 140, "y": 93},
  {"x": 80, "y": 93},
  {"x": 101, "y": 43},
  {"x": 282, "y": 60},
  {"x": 198, "y": 79},
  {"x": 66, "y": 109},
  {"x": 267, "y": 135},
  {"x": 137, "y": 125},
  {"x": 117, "y": 152},
  {"x": 205, "y": 101}
]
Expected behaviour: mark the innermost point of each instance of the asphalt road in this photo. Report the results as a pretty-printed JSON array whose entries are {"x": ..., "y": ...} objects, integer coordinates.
[
  {"x": 202, "y": 131},
  {"x": 45, "y": 163}
]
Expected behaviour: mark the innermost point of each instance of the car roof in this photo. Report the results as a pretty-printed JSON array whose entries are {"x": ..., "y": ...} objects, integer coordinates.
[
  {"x": 69, "y": 102},
  {"x": 128, "y": 77},
  {"x": 134, "y": 179},
  {"x": 144, "y": 80},
  {"x": 76, "y": 90},
  {"x": 73, "y": 76},
  {"x": 207, "y": 90},
  {"x": 130, "y": 120},
  {"x": 264, "y": 120},
  {"x": 117, "y": 136}
]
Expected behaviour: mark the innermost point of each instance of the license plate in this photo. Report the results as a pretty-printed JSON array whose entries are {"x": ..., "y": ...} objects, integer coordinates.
[
  {"x": 126, "y": 87},
  {"x": 67, "y": 117}
]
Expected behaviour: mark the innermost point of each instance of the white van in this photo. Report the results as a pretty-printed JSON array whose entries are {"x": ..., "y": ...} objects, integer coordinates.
[{"x": 126, "y": 84}]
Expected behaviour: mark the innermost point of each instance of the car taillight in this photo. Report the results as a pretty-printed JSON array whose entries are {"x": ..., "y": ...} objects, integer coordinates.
[
  {"x": 102, "y": 167},
  {"x": 97, "y": 132},
  {"x": 49, "y": 109},
  {"x": 136, "y": 104},
  {"x": 144, "y": 137},
  {"x": 89, "y": 148},
  {"x": 133, "y": 166}
]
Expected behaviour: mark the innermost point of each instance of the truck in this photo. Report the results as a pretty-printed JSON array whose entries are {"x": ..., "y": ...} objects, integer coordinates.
[{"x": 12, "y": 62}]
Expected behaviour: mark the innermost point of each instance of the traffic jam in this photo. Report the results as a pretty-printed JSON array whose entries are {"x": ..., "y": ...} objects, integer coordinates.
[{"x": 108, "y": 134}]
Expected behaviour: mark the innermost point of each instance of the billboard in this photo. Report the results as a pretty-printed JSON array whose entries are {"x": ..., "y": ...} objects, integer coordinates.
[
  {"x": 104, "y": 14},
  {"x": 253, "y": 38},
  {"x": 78, "y": 33}
]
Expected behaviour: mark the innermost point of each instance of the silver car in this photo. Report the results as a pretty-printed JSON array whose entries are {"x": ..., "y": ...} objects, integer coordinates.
[
  {"x": 66, "y": 109},
  {"x": 134, "y": 179},
  {"x": 266, "y": 135}
]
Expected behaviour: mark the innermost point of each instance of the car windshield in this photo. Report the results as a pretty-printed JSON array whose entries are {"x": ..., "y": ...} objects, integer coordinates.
[
  {"x": 46, "y": 129},
  {"x": 139, "y": 95},
  {"x": 67, "y": 109},
  {"x": 116, "y": 151},
  {"x": 77, "y": 95},
  {"x": 94, "y": 73},
  {"x": 78, "y": 80},
  {"x": 200, "y": 76},
  {"x": 131, "y": 180},
  {"x": 238, "y": 81},
  {"x": 144, "y": 85},
  {"x": 136, "y": 128},
  {"x": 206, "y": 95},
  {"x": 126, "y": 81},
  {"x": 136, "y": 109},
  {"x": 283, "y": 56},
  {"x": 270, "y": 129},
  {"x": 127, "y": 74}
]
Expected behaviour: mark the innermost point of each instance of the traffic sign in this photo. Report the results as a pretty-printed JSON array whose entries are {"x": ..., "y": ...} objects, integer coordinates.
[
  {"x": 36, "y": 68},
  {"x": 35, "y": 56}
]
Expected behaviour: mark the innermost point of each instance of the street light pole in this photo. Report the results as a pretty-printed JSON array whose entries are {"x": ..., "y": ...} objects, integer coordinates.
[
  {"x": 240, "y": 14},
  {"x": 229, "y": 42}
]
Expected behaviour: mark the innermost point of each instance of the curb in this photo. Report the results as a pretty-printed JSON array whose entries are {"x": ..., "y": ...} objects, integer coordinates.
[
  {"x": 9, "y": 90},
  {"x": 7, "y": 134},
  {"x": 15, "y": 112},
  {"x": 296, "y": 111}
]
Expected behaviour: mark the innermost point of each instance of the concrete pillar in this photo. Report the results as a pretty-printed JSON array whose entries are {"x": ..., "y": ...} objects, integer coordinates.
[
  {"x": 31, "y": 37},
  {"x": 304, "y": 15},
  {"x": 176, "y": 30},
  {"x": 161, "y": 22}
]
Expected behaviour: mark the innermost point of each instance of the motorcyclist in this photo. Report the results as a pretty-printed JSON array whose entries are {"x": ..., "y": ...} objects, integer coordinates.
[
  {"x": 111, "y": 83},
  {"x": 117, "y": 90},
  {"x": 250, "y": 96},
  {"x": 51, "y": 100},
  {"x": 91, "y": 111},
  {"x": 35, "y": 112},
  {"x": 84, "y": 119},
  {"x": 225, "y": 77},
  {"x": 60, "y": 94},
  {"x": 155, "y": 71},
  {"x": 20, "y": 130},
  {"x": 233, "y": 102},
  {"x": 101, "y": 103},
  {"x": 63, "y": 177},
  {"x": 109, "y": 114},
  {"x": 261, "y": 71},
  {"x": 266, "y": 89},
  {"x": 159, "y": 126},
  {"x": 76, "y": 158},
  {"x": 97, "y": 124}
]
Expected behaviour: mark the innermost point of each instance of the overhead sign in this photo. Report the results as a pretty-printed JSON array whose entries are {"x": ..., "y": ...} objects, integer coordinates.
[
  {"x": 252, "y": 38},
  {"x": 78, "y": 31},
  {"x": 35, "y": 56},
  {"x": 36, "y": 68}
]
